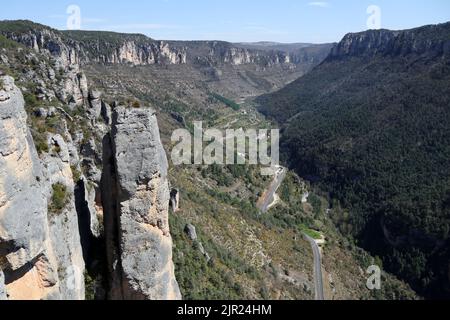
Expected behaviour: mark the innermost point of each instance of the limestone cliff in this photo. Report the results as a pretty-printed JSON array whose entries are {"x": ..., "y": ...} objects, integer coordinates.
[
  {"x": 140, "y": 253},
  {"x": 43, "y": 245},
  {"x": 71, "y": 48},
  {"x": 215, "y": 53},
  {"x": 26, "y": 255},
  {"x": 419, "y": 41},
  {"x": 85, "y": 47},
  {"x": 64, "y": 224},
  {"x": 37, "y": 259}
]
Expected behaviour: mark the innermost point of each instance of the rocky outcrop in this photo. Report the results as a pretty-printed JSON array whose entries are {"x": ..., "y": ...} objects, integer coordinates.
[
  {"x": 417, "y": 41},
  {"x": 213, "y": 53},
  {"x": 191, "y": 232},
  {"x": 95, "y": 103},
  {"x": 64, "y": 225},
  {"x": 45, "y": 40},
  {"x": 71, "y": 48},
  {"x": 140, "y": 253},
  {"x": 217, "y": 53},
  {"x": 146, "y": 53},
  {"x": 26, "y": 255},
  {"x": 121, "y": 195},
  {"x": 175, "y": 200},
  {"x": 131, "y": 49},
  {"x": 39, "y": 253},
  {"x": 74, "y": 88}
]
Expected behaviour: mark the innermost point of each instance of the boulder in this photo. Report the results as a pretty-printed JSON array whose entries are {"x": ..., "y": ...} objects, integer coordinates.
[
  {"x": 203, "y": 252},
  {"x": 41, "y": 113},
  {"x": 175, "y": 200},
  {"x": 51, "y": 112},
  {"x": 191, "y": 232}
]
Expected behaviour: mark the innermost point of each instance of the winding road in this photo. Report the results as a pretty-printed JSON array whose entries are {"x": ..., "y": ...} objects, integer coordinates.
[
  {"x": 318, "y": 279},
  {"x": 263, "y": 205},
  {"x": 268, "y": 196}
]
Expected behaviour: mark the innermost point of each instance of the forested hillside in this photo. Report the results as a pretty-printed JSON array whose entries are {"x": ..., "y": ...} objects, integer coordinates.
[{"x": 371, "y": 125}]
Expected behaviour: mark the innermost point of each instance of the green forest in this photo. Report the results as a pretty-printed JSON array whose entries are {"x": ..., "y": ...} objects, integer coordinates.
[{"x": 374, "y": 132}]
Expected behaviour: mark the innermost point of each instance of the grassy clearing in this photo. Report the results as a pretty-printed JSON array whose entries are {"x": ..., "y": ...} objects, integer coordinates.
[{"x": 311, "y": 233}]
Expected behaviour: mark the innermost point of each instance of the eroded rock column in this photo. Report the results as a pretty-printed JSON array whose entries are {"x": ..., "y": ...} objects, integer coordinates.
[{"x": 141, "y": 263}]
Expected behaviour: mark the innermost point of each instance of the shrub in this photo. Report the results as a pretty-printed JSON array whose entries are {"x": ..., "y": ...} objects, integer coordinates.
[
  {"x": 229, "y": 103},
  {"x": 57, "y": 149},
  {"x": 75, "y": 173},
  {"x": 136, "y": 104},
  {"x": 30, "y": 100},
  {"x": 89, "y": 284},
  {"x": 59, "y": 198},
  {"x": 200, "y": 279},
  {"x": 41, "y": 144},
  {"x": 309, "y": 232},
  {"x": 7, "y": 44}
]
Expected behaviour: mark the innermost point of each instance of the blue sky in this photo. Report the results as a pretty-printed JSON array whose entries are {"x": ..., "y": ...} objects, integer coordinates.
[{"x": 233, "y": 20}]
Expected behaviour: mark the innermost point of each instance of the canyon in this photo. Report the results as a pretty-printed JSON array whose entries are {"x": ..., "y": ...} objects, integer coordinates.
[
  {"x": 93, "y": 173},
  {"x": 86, "y": 125}
]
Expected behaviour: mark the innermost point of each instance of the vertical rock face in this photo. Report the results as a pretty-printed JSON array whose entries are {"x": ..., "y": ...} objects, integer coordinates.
[
  {"x": 43, "y": 246},
  {"x": 46, "y": 40},
  {"x": 64, "y": 226},
  {"x": 95, "y": 103},
  {"x": 140, "y": 254},
  {"x": 40, "y": 254},
  {"x": 26, "y": 255},
  {"x": 2, "y": 286},
  {"x": 371, "y": 43},
  {"x": 73, "y": 48}
]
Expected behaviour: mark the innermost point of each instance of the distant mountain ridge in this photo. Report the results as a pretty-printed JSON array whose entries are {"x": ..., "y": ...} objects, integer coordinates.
[
  {"x": 119, "y": 48},
  {"x": 266, "y": 45},
  {"x": 221, "y": 52},
  {"x": 429, "y": 40},
  {"x": 82, "y": 47}
]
